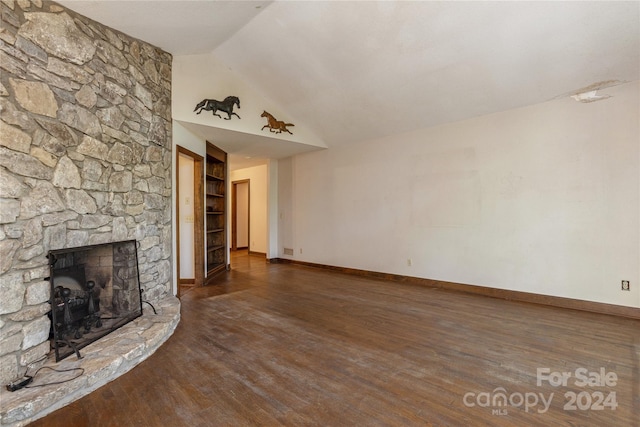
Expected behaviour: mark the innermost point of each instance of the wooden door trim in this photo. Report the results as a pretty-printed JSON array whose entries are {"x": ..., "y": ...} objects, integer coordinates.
[
  {"x": 234, "y": 213},
  {"x": 198, "y": 215}
]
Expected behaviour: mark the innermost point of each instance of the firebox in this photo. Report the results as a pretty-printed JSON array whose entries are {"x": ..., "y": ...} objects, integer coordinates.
[{"x": 94, "y": 291}]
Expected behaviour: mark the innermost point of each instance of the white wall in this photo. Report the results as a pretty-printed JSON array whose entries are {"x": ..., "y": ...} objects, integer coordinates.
[
  {"x": 186, "y": 217},
  {"x": 242, "y": 215},
  {"x": 197, "y": 145},
  {"x": 258, "y": 204},
  {"x": 542, "y": 199},
  {"x": 196, "y": 77}
]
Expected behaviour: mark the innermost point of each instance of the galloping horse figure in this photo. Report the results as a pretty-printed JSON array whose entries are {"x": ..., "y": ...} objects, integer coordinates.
[
  {"x": 213, "y": 106},
  {"x": 275, "y": 125}
]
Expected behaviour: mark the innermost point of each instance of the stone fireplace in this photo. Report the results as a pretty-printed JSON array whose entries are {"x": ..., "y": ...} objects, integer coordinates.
[
  {"x": 85, "y": 159},
  {"x": 94, "y": 291}
]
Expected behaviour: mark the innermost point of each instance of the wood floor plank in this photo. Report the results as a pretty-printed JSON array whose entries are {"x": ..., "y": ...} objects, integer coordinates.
[{"x": 282, "y": 344}]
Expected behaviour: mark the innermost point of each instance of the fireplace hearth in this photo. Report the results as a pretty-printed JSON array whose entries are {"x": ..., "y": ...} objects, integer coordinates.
[{"x": 94, "y": 290}]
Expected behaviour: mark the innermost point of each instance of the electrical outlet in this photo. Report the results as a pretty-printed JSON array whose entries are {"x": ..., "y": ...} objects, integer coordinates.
[
  {"x": 300, "y": 250},
  {"x": 409, "y": 262},
  {"x": 625, "y": 285}
]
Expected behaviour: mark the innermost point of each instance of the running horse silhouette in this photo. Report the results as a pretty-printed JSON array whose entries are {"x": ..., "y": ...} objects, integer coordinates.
[
  {"x": 213, "y": 106},
  {"x": 277, "y": 126}
]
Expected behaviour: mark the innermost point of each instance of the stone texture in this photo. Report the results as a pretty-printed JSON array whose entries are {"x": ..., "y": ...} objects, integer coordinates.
[
  {"x": 58, "y": 35},
  {"x": 24, "y": 165},
  {"x": 66, "y": 174},
  {"x": 99, "y": 238},
  {"x": 55, "y": 237},
  {"x": 86, "y": 97},
  {"x": 91, "y": 170},
  {"x": 87, "y": 110},
  {"x": 112, "y": 117},
  {"x": 44, "y": 156},
  {"x": 14, "y": 138},
  {"x": 8, "y": 368},
  {"x": 58, "y": 130},
  {"x": 144, "y": 96},
  {"x": 134, "y": 197},
  {"x": 73, "y": 72},
  {"x": 120, "y": 154},
  {"x": 9, "y": 329},
  {"x": 110, "y": 54},
  {"x": 121, "y": 181},
  {"x": 42, "y": 199},
  {"x": 29, "y": 254},
  {"x": 30, "y": 312},
  {"x": 56, "y": 83},
  {"x": 119, "y": 229},
  {"x": 11, "y": 344},
  {"x": 7, "y": 249},
  {"x": 35, "y": 97},
  {"x": 77, "y": 238},
  {"x": 35, "y": 353},
  {"x": 154, "y": 201},
  {"x": 11, "y": 114},
  {"x": 157, "y": 133},
  {"x": 10, "y": 186},
  {"x": 12, "y": 291},
  {"x": 35, "y": 332},
  {"x": 53, "y": 146},
  {"x": 93, "y": 147},
  {"x": 94, "y": 221},
  {"x": 32, "y": 232},
  {"x": 80, "y": 201},
  {"x": 81, "y": 119},
  {"x": 14, "y": 231},
  {"x": 37, "y": 293},
  {"x": 9, "y": 210},
  {"x": 112, "y": 92},
  {"x": 57, "y": 218},
  {"x": 149, "y": 242}
]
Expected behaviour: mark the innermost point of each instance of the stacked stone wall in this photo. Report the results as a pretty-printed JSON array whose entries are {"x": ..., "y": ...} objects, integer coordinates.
[{"x": 85, "y": 158}]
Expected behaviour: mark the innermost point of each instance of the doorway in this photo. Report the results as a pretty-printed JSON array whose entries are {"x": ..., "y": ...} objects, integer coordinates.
[
  {"x": 240, "y": 214},
  {"x": 189, "y": 219}
]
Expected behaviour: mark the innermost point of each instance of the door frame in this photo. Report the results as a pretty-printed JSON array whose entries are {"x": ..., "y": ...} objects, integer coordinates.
[
  {"x": 198, "y": 218},
  {"x": 234, "y": 213}
]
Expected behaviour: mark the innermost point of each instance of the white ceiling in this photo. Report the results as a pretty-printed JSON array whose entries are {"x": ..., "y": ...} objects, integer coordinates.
[{"x": 354, "y": 70}]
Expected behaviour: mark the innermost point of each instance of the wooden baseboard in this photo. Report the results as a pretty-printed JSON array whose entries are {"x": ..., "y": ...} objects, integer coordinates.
[
  {"x": 187, "y": 281},
  {"x": 258, "y": 253},
  {"x": 570, "y": 303}
]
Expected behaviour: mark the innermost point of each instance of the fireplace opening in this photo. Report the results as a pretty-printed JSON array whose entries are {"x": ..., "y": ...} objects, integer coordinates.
[{"x": 94, "y": 291}]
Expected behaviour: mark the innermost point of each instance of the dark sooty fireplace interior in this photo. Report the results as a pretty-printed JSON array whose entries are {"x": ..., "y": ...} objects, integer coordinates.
[{"x": 94, "y": 290}]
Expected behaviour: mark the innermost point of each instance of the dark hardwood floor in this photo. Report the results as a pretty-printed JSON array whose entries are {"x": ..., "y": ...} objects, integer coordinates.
[{"x": 280, "y": 344}]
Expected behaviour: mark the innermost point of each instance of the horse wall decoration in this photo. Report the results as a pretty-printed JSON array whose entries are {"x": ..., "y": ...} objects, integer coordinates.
[
  {"x": 225, "y": 106},
  {"x": 277, "y": 126}
]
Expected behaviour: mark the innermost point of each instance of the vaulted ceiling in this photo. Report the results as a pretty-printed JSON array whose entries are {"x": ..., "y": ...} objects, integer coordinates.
[{"x": 354, "y": 70}]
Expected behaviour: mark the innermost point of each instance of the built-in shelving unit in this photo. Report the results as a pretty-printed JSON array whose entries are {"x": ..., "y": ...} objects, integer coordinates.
[{"x": 216, "y": 185}]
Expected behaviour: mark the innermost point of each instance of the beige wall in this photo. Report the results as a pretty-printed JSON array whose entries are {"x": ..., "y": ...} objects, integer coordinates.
[
  {"x": 541, "y": 199},
  {"x": 186, "y": 217},
  {"x": 258, "y": 204}
]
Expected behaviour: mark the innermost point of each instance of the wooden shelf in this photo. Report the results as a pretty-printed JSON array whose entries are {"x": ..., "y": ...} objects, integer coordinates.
[{"x": 216, "y": 207}]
